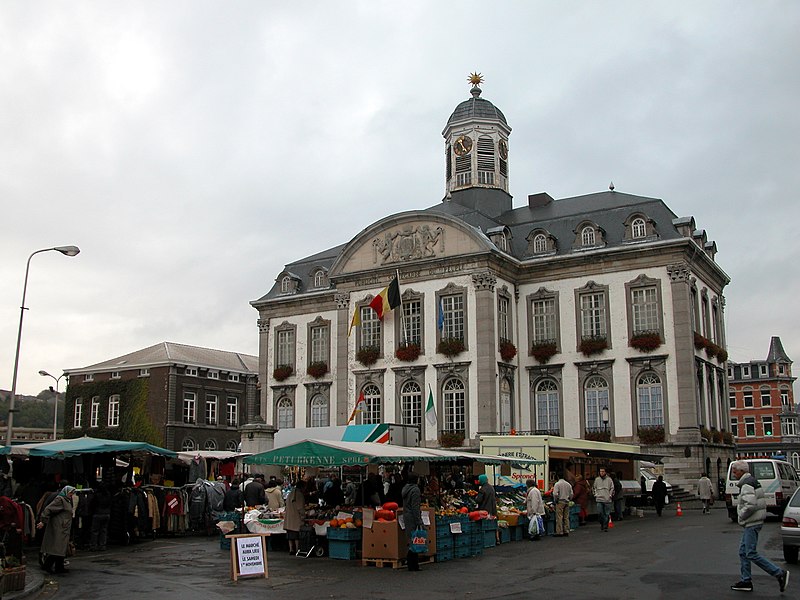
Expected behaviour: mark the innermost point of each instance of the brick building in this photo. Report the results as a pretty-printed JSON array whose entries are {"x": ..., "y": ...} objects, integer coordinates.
[
  {"x": 173, "y": 395},
  {"x": 764, "y": 417}
]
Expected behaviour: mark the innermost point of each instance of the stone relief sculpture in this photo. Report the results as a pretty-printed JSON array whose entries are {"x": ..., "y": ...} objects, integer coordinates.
[{"x": 409, "y": 243}]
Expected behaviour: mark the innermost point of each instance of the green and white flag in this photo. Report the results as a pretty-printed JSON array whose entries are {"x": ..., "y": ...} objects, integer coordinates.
[{"x": 430, "y": 410}]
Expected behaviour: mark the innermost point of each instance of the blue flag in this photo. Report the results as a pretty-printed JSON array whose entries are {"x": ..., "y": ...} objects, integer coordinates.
[{"x": 440, "y": 316}]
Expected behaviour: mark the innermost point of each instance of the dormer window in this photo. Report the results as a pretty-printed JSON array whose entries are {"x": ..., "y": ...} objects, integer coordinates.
[
  {"x": 588, "y": 236},
  {"x": 319, "y": 279},
  {"x": 638, "y": 228},
  {"x": 286, "y": 284},
  {"x": 539, "y": 243}
]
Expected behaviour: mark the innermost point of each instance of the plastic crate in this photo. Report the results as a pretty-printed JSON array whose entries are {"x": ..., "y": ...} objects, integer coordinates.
[
  {"x": 516, "y": 533},
  {"x": 462, "y": 552},
  {"x": 337, "y": 533},
  {"x": 444, "y": 555},
  {"x": 342, "y": 549},
  {"x": 477, "y": 548},
  {"x": 460, "y": 540},
  {"x": 444, "y": 542},
  {"x": 488, "y": 524},
  {"x": 489, "y": 539},
  {"x": 505, "y": 535}
]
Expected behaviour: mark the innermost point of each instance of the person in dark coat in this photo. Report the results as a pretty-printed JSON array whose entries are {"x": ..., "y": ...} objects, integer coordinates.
[
  {"x": 412, "y": 516},
  {"x": 659, "y": 494},
  {"x": 233, "y": 498},
  {"x": 254, "y": 494},
  {"x": 294, "y": 515},
  {"x": 333, "y": 495},
  {"x": 486, "y": 498},
  {"x": 56, "y": 520},
  {"x": 100, "y": 508}
]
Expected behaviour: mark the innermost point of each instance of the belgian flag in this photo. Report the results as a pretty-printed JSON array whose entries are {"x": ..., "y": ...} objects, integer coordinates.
[{"x": 387, "y": 300}]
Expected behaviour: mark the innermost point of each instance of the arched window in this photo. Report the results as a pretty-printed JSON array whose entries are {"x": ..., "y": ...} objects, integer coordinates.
[
  {"x": 411, "y": 403},
  {"x": 187, "y": 445},
  {"x": 210, "y": 445},
  {"x": 455, "y": 417},
  {"x": 547, "y": 418},
  {"x": 78, "y": 418},
  {"x": 232, "y": 446},
  {"x": 638, "y": 228},
  {"x": 796, "y": 460},
  {"x": 540, "y": 243},
  {"x": 596, "y": 397},
  {"x": 587, "y": 236},
  {"x": 650, "y": 398},
  {"x": 319, "y": 279},
  {"x": 372, "y": 399},
  {"x": 285, "y": 414},
  {"x": 319, "y": 411},
  {"x": 285, "y": 284}
]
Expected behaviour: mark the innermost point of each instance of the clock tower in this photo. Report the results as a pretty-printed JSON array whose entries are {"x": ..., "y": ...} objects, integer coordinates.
[{"x": 476, "y": 144}]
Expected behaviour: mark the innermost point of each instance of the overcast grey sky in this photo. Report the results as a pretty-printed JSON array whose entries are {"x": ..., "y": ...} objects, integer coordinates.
[{"x": 191, "y": 149}]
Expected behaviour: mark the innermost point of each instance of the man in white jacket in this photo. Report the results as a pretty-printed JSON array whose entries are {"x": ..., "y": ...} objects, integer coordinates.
[
  {"x": 535, "y": 508},
  {"x": 751, "y": 509}
]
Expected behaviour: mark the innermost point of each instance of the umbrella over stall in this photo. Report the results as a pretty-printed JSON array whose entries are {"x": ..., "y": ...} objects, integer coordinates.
[{"x": 85, "y": 445}]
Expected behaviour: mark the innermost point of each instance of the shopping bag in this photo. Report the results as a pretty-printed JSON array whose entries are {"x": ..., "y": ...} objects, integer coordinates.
[
  {"x": 540, "y": 524},
  {"x": 419, "y": 541},
  {"x": 533, "y": 526}
]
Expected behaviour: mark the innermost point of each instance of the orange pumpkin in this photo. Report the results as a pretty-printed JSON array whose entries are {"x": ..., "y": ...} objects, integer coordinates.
[
  {"x": 334, "y": 522},
  {"x": 358, "y": 522},
  {"x": 386, "y": 515},
  {"x": 390, "y": 506}
]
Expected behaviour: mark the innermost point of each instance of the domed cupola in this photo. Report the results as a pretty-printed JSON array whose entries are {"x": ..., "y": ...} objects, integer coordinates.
[{"x": 476, "y": 144}]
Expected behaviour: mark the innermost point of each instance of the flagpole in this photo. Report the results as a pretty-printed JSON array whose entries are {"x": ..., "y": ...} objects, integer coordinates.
[{"x": 402, "y": 312}]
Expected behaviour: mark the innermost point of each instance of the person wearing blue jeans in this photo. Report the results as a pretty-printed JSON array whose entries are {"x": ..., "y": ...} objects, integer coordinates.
[
  {"x": 751, "y": 509},
  {"x": 603, "y": 490}
]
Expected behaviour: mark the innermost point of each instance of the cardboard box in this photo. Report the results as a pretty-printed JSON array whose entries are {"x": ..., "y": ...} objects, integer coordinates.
[{"x": 389, "y": 541}]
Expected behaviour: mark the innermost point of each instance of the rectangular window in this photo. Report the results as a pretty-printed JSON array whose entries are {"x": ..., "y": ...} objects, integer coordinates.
[
  {"x": 113, "y": 411},
  {"x": 645, "y": 309},
  {"x": 453, "y": 313},
  {"x": 784, "y": 397},
  {"x": 213, "y": 374},
  {"x": 762, "y": 371},
  {"x": 232, "y": 411},
  {"x": 730, "y": 372},
  {"x": 411, "y": 324},
  {"x": 789, "y": 427},
  {"x": 745, "y": 372},
  {"x": 735, "y": 427},
  {"x": 285, "y": 348},
  {"x": 747, "y": 398},
  {"x": 94, "y": 415},
  {"x": 750, "y": 426},
  {"x": 189, "y": 407},
  {"x": 211, "y": 409},
  {"x": 766, "y": 398},
  {"x": 319, "y": 344},
  {"x": 593, "y": 315},
  {"x": 88, "y": 377},
  {"x": 732, "y": 399},
  {"x": 766, "y": 423},
  {"x": 370, "y": 328},
  {"x": 144, "y": 372},
  {"x": 781, "y": 369},
  {"x": 115, "y": 375},
  {"x": 544, "y": 320},
  {"x": 233, "y": 377},
  {"x": 191, "y": 371},
  {"x": 77, "y": 420},
  {"x": 503, "y": 316}
]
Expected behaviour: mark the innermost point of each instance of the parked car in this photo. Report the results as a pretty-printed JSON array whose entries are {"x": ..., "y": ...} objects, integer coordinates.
[
  {"x": 778, "y": 479},
  {"x": 649, "y": 477},
  {"x": 790, "y": 529}
]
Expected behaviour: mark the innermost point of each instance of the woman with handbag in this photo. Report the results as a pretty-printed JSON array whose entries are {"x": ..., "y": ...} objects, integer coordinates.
[{"x": 57, "y": 517}]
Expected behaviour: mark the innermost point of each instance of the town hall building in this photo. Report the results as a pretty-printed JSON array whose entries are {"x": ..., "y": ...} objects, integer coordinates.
[{"x": 599, "y": 316}]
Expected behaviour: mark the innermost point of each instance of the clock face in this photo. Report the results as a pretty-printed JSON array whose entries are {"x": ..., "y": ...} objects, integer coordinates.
[
  {"x": 463, "y": 145},
  {"x": 502, "y": 147}
]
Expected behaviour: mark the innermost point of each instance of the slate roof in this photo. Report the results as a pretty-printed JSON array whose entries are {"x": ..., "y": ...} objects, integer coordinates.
[
  {"x": 476, "y": 108},
  {"x": 776, "y": 352},
  {"x": 171, "y": 353}
]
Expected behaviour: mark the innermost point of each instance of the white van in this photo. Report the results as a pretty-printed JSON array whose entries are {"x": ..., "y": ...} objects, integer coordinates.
[{"x": 778, "y": 479}]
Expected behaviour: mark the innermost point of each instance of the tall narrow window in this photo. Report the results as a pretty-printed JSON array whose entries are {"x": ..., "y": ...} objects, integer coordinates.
[
  {"x": 411, "y": 403},
  {"x": 593, "y": 315},
  {"x": 211, "y": 409},
  {"x": 411, "y": 323},
  {"x": 94, "y": 415},
  {"x": 732, "y": 399},
  {"x": 749, "y": 426},
  {"x": 77, "y": 420},
  {"x": 540, "y": 243},
  {"x": 286, "y": 283},
  {"x": 455, "y": 416},
  {"x": 587, "y": 236},
  {"x": 370, "y": 328},
  {"x": 638, "y": 228},
  {"x": 766, "y": 397},
  {"x": 544, "y": 320},
  {"x": 453, "y": 317},
  {"x": 596, "y": 396},
  {"x": 113, "y": 411},
  {"x": 503, "y": 315},
  {"x": 319, "y": 343},
  {"x": 189, "y": 407},
  {"x": 285, "y": 414},
  {"x": 645, "y": 310},
  {"x": 285, "y": 348},
  {"x": 372, "y": 398},
  {"x": 766, "y": 423},
  {"x": 651, "y": 401},
  {"x": 232, "y": 411},
  {"x": 747, "y": 398},
  {"x": 319, "y": 411},
  {"x": 547, "y": 405},
  {"x": 319, "y": 279},
  {"x": 485, "y": 160}
]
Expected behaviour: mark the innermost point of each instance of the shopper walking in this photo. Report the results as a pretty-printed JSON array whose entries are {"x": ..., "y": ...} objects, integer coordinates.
[
  {"x": 619, "y": 500},
  {"x": 412, "y": 516},
  {"x": 659, "y": 494},
  {"x": 603, "y": 490},
  {"x": 294, "y": 515},
  {"x": 580, "y": 495},
  {"x": 751, "y": 509},
  {"x": 56, "y": 520},
  {"x": 704, "y": 490},
  {"x": 100, "y": 507},
  {"x": 562, "y": 494},
  {"x": 534, "y": 509},
  {"x": 487, "y": 499}
]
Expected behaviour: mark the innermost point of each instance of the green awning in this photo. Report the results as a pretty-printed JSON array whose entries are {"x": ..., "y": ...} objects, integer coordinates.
[{"x": 85, "y": 445}]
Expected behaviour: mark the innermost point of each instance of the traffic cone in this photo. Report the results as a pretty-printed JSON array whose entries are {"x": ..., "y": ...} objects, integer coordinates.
[
  {"x": 679, "y": 511},
  {"x": 610, "y": 522}
]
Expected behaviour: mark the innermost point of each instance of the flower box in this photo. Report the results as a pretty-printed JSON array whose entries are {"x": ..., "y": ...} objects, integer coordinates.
[
  {"x": 282, "y": 372},
  {"x": 407, "y": 352},
  {"x": 645, "y": 341},
  {"x": 317, "y": 369},
  {"x": 368, "y": 355},
  {"x": 593, "y": 345},
  {"x": 451, "y": 439},
  {"x": 543, "y": 351},
  {"x": 651, "y": 435},
  {"x": 450, "y": 347},
  {"x": 507, "y": 351}
]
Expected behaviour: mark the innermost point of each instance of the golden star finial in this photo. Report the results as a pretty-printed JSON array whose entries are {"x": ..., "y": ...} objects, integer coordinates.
[{"x": 475, "y": 78}]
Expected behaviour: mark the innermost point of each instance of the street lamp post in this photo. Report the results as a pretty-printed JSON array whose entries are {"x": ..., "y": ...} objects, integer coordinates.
[
  {"x": 604, "y": 417},
  {"x": 55, "y": 410},
  {"x": 66, "y": 251}
]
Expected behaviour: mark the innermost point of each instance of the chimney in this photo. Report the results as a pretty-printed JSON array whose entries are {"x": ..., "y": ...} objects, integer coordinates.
[{"x": 539, "y": 200}]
